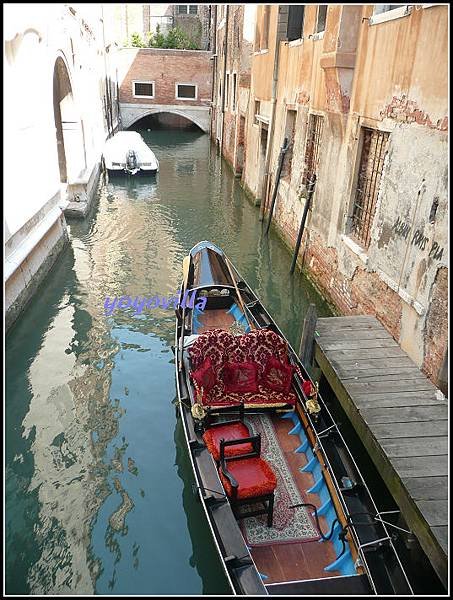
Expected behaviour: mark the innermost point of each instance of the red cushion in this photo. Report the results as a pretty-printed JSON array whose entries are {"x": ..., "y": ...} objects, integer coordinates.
[
  {"x": 308, "y": 387},
  {"x": 234, "y": 431},
  {"x": 254, "y": 476},
  {"x": 277, "y": 376},
  {"x": 240, "y": 377},
  {"x": 205, "y": 375}
]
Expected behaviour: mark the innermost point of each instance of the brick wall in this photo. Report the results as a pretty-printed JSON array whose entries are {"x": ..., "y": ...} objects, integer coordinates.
[
  {"x": 363, "y": 293},
  {"x": 166, "y": 68}
]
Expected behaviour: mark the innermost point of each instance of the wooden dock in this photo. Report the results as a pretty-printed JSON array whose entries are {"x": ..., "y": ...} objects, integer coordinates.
[{"x": 401, "y": 418}]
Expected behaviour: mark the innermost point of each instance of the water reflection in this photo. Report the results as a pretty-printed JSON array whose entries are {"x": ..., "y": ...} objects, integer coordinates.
[{"x": 203, "y": 548}]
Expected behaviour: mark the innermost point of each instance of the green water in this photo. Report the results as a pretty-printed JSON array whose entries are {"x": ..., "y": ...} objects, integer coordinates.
[{"x": 98, "y": 484}]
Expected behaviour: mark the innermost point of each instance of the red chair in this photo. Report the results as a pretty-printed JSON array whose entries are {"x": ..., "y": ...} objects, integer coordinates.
[
  {"x": 248, "y": 479},
  {"x": 231, "y": 430},
  {"x": 227, "y": 430}
]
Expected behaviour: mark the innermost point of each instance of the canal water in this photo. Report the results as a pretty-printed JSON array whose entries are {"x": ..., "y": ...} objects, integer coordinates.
[{"x": 98, "y": 485}]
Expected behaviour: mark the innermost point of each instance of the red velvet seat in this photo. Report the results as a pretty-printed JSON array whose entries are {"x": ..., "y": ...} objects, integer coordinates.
[
  {"x": 227, "y": 431},
  {"x": 254, "y": 476},
  {"x": 248, "y": 479}
]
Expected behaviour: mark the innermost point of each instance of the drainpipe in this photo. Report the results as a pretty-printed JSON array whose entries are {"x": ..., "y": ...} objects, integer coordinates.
[
  {"x": 225, "y": 46},
  {"x": 272, "y": 126},
  {"x": 213, "y": 47}
]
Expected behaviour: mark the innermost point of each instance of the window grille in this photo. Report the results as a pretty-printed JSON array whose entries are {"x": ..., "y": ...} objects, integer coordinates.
[
  {"x": 290, "y": 132},
  {"x": 374, "y": 145},
  {"x": 312, "y": 148},
  {"x": 193, "y": 9}
]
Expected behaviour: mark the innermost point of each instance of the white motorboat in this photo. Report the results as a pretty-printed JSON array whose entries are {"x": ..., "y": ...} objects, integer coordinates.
[{"x": 127, "y": 152}]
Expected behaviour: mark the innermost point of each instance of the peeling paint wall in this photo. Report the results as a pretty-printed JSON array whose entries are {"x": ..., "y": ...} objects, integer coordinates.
[{"x": 388, "y": 75}]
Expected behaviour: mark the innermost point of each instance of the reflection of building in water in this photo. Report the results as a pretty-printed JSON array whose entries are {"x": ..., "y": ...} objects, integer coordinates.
[{"x": 70, "y": 408}]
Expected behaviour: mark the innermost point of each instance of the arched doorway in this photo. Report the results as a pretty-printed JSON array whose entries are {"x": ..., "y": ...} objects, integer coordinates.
[{"x": 70, "y": 143}]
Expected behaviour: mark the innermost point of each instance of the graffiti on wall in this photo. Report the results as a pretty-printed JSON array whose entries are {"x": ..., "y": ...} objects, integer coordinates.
[{"x": 419, "y": 239}]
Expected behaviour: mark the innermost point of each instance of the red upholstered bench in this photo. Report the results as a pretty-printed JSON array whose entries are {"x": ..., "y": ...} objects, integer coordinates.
[{"x": 214, "y": 350}]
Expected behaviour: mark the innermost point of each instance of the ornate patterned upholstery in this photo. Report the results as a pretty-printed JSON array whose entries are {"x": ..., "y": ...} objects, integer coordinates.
[
  {"x": 254, "y": 476},
  {"x": 229, "y": 431},
  {"x": 258, "y": 345}
]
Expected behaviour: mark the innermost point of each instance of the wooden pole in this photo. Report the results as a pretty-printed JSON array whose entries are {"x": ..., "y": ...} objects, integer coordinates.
[
  {"x": 283, "y": 150},
  {"x": 311, "y": 187},
  {"x": 308, "y": 336}
]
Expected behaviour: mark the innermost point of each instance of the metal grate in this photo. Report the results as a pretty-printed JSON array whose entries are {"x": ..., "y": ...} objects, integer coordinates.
[
  {"x": 312, "y": 148},
  {"x": 368, "y": 181}
]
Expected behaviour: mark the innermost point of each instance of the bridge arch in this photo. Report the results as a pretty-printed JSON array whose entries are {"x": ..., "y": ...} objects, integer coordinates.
[{"x": 200, "y": 118}]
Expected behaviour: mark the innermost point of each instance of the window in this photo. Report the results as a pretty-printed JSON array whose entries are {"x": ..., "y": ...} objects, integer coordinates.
[
  {"x": 227, "y": 90},
  {"x": 187, "y": 9},
  {"x": 143, "y": 89},
  {"x": 256, "y": 112},
  {"x": 290, "y": 131},
  {"x": 235, "y": 82},
  {"x": 312, "y": 147},
  {"x": 295, "y": 22},
  {"x": 264, "y": 44},
  {"x": 186, "y": 91},
  {"x": 382, "y": 8},
  {"x": 372, "y": 155},
  {"x": 321, "y": 18}
]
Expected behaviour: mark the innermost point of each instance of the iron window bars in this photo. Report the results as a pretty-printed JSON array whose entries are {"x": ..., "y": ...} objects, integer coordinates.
[
  {"x": 313, "y": 144},
  {"x": 370, "y": 170}
]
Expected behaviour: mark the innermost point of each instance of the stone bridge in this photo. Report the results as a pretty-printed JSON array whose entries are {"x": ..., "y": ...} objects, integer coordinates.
[
  {"x": 131, "y": 113},
  {"x": 165, "y": 80}
]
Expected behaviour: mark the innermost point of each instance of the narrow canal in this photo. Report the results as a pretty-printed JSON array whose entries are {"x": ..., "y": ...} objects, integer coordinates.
[{"x": 98, "y": 485}]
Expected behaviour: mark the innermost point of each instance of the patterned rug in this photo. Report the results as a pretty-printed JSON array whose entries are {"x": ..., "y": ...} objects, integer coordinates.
[{"x": 289, "y": 525}]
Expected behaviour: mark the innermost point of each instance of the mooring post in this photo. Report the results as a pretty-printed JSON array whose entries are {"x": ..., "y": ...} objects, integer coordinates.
[
  {"x": 308, "y": 336},
  {"x": 311, "y": 188}
]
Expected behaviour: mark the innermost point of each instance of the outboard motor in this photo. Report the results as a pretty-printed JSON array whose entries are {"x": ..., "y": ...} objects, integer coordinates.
[{"x": 131, "y": 162}]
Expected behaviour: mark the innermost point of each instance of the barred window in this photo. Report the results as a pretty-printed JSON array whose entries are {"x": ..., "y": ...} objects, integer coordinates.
[
  {"x": 312, "y": 147},
  {"x": 374, "y": 144},
  {"x": 290, "y": 132},
  {"x": 143, "y": 89}
]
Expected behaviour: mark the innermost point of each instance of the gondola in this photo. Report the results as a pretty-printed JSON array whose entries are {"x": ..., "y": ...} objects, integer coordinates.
[{"x": 287, "y": 506}]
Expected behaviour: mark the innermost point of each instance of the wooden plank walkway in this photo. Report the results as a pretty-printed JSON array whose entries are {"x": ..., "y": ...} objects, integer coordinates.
[{"x": 401, "y": 418}]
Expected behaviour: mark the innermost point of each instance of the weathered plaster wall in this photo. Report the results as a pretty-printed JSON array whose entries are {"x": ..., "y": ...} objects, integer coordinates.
[{"x": 390, "y": 76}]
